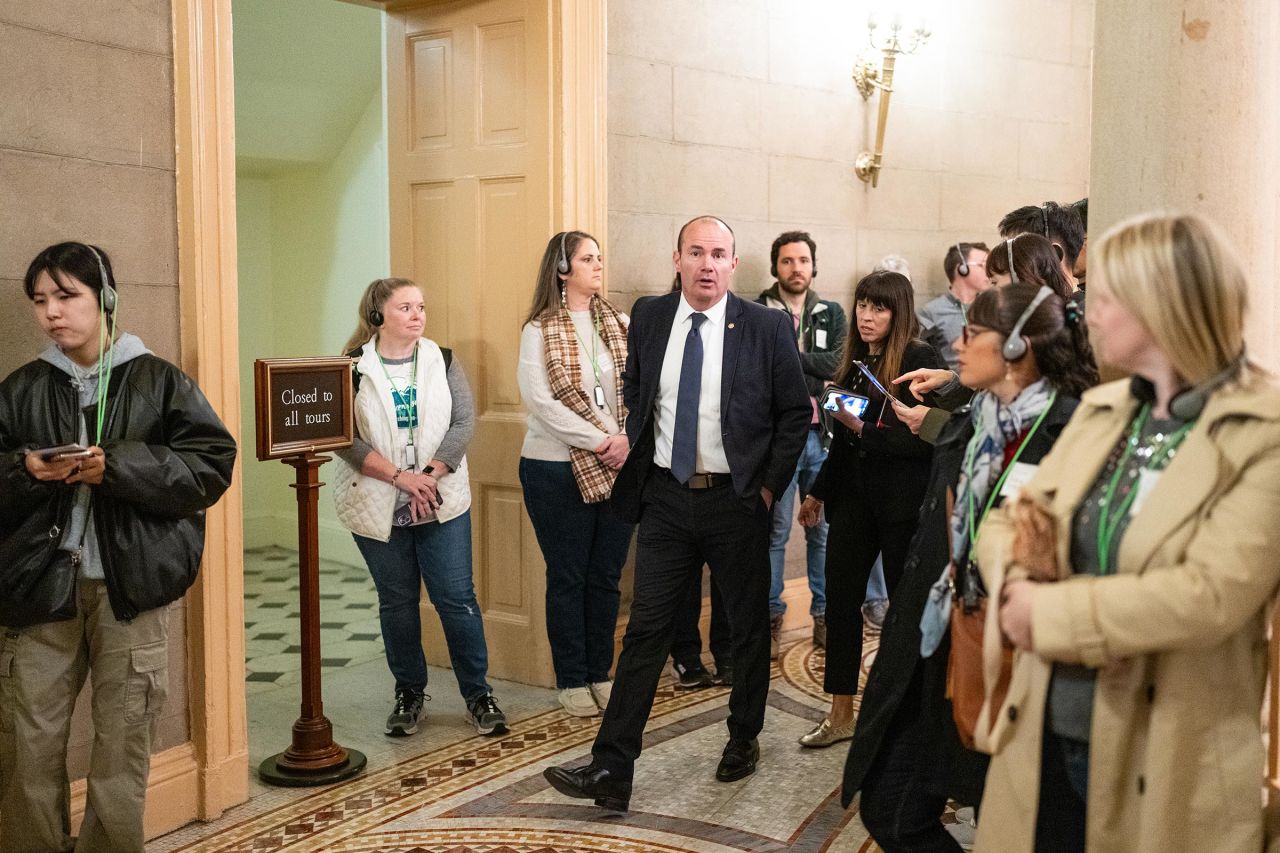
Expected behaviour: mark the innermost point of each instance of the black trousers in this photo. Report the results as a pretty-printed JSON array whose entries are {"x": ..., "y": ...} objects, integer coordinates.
[
  {"x": 902, "y": 797},
  {"x": 686, "y": 641},
  {"x": 855, "y": 537},
  {"x": 1060, "y": 817},
  {"x": 680, "y": 530}
]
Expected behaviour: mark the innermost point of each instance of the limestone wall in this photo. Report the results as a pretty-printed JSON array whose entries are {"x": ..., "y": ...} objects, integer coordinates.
[{"x": 746, "y": 109}]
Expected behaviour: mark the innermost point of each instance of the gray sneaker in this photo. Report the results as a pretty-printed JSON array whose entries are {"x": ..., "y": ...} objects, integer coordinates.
[
  {"x": 820, "y": 630},
  {"x": 404, "y": 717},
  {"x": 487, "y": 716}
]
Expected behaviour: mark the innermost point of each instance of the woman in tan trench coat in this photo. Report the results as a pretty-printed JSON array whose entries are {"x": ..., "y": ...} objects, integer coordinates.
[{"x": 1148, "y": 643}]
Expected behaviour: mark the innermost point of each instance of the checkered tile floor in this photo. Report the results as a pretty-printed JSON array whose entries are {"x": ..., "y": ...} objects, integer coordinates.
[{"x": 349, "y": 629}]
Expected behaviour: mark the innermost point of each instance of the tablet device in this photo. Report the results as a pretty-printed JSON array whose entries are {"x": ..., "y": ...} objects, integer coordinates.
[
  {"x": 871, "y": 377},
  {"x": 833, "y": 397}
]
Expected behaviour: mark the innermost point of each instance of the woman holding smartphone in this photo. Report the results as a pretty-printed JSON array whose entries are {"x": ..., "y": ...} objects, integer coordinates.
[
  {"x": 94, "y": 544},
  {"x": 402, "y": 491},
  {"x": 907, "y": 759},
  {"x": 871, "y": 485}
]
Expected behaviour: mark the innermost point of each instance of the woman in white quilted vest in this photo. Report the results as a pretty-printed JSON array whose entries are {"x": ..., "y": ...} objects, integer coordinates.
[
  {"x": 572, "y": 350},
  {"x": 402, "y": 491}
]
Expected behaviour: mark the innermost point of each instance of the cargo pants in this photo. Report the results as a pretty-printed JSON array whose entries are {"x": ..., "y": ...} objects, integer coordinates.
[{"x": 42, "y": 669}]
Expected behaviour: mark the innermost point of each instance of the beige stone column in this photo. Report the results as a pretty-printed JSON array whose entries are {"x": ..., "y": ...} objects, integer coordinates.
[{"x": 1186, "y": 115}]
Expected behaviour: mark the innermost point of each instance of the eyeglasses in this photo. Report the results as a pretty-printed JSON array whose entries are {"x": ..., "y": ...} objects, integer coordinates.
[{"x": 971, "y": 330}]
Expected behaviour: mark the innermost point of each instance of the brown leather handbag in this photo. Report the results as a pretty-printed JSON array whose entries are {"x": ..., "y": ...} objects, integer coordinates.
[
  {"x": 966, "y": 682},
  {"x": 966, "y": 685}
]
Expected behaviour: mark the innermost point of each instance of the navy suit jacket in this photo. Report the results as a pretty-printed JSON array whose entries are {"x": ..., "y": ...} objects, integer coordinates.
[{"x": 764, "y": 408}]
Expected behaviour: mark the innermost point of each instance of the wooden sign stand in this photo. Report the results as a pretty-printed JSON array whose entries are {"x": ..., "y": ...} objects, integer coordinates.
[{"x": 283, "y": 388}]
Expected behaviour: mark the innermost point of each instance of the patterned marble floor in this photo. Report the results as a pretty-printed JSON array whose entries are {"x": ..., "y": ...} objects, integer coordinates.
[
  {"x": 468, "y": 793},
  {"x": 349, "y": 629}
]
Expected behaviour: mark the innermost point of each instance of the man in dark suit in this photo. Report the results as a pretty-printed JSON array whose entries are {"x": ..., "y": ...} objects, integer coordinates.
[{"x": 718, "y": 416}]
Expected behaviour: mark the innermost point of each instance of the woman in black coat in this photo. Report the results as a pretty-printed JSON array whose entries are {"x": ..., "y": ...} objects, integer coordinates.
[
  {"x": 906, "y": 757},
  {"x": 871, "y": 485}
]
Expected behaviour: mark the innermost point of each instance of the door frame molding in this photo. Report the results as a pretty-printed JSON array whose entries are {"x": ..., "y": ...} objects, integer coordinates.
[
  {"x": 204, "y": 119},
  {"x": 209, "y": 774}
]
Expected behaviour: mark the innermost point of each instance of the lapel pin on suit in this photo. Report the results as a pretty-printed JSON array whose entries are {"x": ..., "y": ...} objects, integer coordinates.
[{"x": 730, "y": 325}]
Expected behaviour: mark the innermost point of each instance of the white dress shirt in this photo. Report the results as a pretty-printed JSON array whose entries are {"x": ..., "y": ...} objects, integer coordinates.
[{"x": 711, "y": 458}]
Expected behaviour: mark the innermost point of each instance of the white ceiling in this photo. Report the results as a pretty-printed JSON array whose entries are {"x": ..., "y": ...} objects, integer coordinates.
[{"x": 305, "y": 71}]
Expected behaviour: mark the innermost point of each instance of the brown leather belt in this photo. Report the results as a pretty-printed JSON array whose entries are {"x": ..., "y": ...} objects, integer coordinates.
[{"x": 701, "y": 481}]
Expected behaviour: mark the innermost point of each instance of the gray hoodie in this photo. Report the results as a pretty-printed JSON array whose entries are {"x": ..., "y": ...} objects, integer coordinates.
[{"x": 85, "y": 381}]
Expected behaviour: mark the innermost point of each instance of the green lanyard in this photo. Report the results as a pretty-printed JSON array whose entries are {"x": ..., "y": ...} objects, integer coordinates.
[
  {"x": 409, "y": 401},
  {"x": 1110, "y": 514},
  {"x": 974, "y": 529},
  {"x": 595, "y": 364}
]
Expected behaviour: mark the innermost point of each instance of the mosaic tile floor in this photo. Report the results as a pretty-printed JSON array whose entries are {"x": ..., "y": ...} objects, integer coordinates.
[
  {"x": 349, "y": 629},
  {"x": 448, "y": 791}
]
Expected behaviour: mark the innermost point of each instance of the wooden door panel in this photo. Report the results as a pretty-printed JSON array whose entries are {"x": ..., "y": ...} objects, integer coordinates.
[{"x": 469, "y": 155}]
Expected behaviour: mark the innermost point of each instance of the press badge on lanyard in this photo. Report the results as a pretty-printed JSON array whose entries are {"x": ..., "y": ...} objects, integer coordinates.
[{"x": 406, "y": 409}]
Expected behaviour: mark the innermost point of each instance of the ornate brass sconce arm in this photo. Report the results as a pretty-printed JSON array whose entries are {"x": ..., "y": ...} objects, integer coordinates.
[{"x": 867, "y": 78}]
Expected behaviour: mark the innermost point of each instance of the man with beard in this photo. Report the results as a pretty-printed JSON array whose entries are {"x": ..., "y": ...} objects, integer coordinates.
[{"x": 820, "y": 329}]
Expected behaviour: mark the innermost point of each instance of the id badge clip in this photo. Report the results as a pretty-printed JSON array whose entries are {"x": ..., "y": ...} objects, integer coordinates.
[
  {"x": 599, "y": 392},
  {"x": 410, "y": 458}
]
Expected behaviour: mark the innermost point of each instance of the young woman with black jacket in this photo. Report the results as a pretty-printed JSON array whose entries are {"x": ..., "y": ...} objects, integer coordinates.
[
  {"x": 906, "y": 757},
  {"x": 871, "y": 484},
  {"x": 95, "y": 540}
]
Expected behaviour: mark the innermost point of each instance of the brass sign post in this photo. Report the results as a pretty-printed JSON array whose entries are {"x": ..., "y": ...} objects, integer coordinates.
[{"x": 303, "y": 405}]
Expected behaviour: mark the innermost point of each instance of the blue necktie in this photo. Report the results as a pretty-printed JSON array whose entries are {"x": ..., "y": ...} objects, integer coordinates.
[{"x": 684, "y": 443}]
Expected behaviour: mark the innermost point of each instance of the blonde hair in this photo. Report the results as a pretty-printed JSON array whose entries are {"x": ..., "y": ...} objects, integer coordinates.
[
  {"x": 1181, "y": 279},
  {"x": 375, "y": 296}
]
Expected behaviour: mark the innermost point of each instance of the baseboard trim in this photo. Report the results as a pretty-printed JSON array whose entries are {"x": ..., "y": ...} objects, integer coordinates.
[
  {"x": 336, "y": 544},
  {"x": 173, "y": 792}
]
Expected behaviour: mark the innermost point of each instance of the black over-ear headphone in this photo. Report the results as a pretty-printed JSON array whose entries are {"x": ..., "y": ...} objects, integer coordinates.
[
  {"x": 563, "y": 264},
  {"x": 1015, "y": 345},
  {"x": 107, "y": 296},
  {"x": 963, "y": 269},
  {"x": 1188, "y": 403}
]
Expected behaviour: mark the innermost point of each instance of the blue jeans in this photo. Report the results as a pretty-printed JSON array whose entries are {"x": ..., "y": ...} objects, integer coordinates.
[
  {"x": 584, "y": 546},
  {"x": 811, "y": 459},
  {"x": 439, "y": 555}
]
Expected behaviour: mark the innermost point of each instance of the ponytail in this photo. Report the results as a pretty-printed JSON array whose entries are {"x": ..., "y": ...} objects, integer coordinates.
[{"x": 375, "y": 297}]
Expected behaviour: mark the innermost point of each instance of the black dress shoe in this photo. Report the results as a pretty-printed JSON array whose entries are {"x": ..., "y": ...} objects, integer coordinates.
[
  {"x": 591, "y": 783},
  {"x": 724, "y": 675},
  {"x": 693, "y": 674},
  {"x": 738, "y": 760}
]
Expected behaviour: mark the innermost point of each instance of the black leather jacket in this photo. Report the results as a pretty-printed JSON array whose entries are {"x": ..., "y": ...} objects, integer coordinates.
[{"x": 168, "y": 458}]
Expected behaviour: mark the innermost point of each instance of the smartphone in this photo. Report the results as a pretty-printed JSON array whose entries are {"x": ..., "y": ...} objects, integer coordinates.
[
  {"x": 65, "y": 451},
  {"x": 834, "y": 397}
]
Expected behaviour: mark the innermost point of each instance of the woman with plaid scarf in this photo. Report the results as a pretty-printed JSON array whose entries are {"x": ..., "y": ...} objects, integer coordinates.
[{"x": 572, "y": 351}]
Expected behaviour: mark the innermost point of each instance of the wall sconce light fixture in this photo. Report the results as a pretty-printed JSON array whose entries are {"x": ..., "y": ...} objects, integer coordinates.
[{"x": 889, "y": 41}]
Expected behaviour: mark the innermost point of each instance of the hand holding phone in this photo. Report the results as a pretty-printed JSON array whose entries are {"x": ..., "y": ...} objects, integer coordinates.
[
  {"x": 53, "y": 464},
  {"x": 834, "y": 399}
]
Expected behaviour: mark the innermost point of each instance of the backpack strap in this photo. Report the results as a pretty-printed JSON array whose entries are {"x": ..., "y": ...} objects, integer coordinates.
[{"x": 354, "y": 355}]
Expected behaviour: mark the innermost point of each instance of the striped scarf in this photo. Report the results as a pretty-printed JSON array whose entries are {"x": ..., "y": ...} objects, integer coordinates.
[{"x": 564, "y": 375}]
